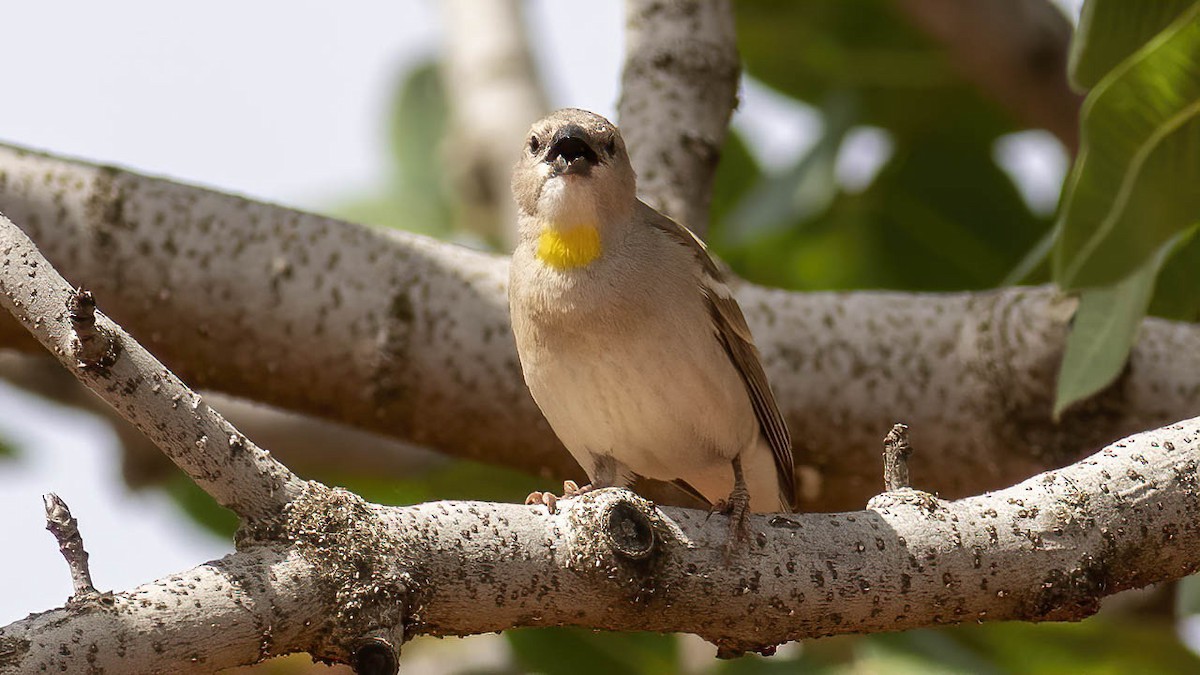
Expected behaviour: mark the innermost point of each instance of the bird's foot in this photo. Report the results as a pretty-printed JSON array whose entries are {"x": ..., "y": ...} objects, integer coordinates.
[
  {"x": 547, "y": 498},
  {"x": 572, "y": 489},
  {"x": 550, "y": 500}
]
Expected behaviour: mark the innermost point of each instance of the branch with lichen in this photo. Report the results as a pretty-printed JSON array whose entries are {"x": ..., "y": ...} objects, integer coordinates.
[{"x": 322, "y": 571}]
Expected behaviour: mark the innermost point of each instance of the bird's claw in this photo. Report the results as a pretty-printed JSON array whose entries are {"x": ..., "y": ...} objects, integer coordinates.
[
  {"x": 550, "y": 501},
  {"x": 546, "y": 498}
]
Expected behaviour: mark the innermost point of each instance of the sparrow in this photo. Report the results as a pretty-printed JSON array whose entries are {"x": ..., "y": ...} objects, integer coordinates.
[{"x": 630, "y": 341}]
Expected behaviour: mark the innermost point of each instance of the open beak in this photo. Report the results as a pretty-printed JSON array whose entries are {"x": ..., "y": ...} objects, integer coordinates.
[{"x": 571, "y": 152}]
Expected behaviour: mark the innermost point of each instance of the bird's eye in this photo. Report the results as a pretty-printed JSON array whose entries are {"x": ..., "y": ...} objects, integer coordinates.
[
  {"x": 533, "y": 144},
  {"x": 611, "y": 146}
]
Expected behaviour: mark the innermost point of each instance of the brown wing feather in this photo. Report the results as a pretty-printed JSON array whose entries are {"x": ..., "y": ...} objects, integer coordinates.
[{"x": 734, "y": 334}]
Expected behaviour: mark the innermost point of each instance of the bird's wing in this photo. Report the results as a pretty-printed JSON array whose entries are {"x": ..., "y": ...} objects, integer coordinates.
[{"x": 731, "y": 329}]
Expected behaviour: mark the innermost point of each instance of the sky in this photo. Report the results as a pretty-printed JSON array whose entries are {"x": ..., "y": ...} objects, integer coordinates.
[{"x": 285, "y": 102}]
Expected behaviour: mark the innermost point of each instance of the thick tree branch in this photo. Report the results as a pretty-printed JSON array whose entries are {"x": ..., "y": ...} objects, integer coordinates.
[
  {"x": 239, "y": 475},
  {"x": 350, "y": 581},
  {"x": 494, "y": 95},
  {"x": 678, "y": 91},
  {"x": 405, "y": 336},
  {"x": 1048, "y": 548},
  {"x": 1015, "y": 50}
]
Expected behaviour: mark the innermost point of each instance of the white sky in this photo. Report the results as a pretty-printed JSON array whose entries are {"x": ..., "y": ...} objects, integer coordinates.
[{"x": 284, "y": 101}]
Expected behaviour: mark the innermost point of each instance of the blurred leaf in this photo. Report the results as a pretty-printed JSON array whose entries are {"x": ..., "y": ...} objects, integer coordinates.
[
  {"x": 1098, "y": 646},
  {"x": 576, "y": 651},
  {"x": 903, "y": 81},
  {"x": 1187, "y": 596},
  {"x": 808, "y": 188},
  {"x": 1033, "y": 264},
  {"x": 1134, "y": 184},
  {"x": 459, "y": 479},
  {"x": 1102, "y": 334},
  {"x": 200, "y": 506},
  {"x": 941, "y": 215},
  {"x": 736, "y": 173},
  {"x": 1177, "y": 290},
  {"x": 414, "y": 197},
  {"x": 1110, "y": 30},
  {"x": 921, "y": 651},
  {"x": 7, "y": 449}
]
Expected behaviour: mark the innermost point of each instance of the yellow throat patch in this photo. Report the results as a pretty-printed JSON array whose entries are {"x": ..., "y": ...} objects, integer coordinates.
[{"x": 569, "y": 249}]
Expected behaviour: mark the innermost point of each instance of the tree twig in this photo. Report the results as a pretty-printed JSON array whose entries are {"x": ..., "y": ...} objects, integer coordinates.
[
  {"x": 896, "y": 450},
  {"x": 65, "y": 529},
  {"x": 238, "y": 474}
]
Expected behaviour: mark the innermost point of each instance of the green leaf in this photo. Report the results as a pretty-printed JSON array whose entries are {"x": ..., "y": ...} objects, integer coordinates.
[
  {"x": 1098, "y": 646},
  {"x": 7, "y": 449},
  {"x": 1134, "y": 184},
  {"x": 1187, "y": 596},
  {"x": 577, "y": 651},
  {"x": 1177, "y": 290},
  {"x": 458, "y": 479},
  {"x": 200, "y": 506},
  {"x": 806, "y": 189},
  {"x": 1102, "y": 334},
  {"x": 736, "y": 174},
  {"x": 413, "y": 198},
  {"x": 1110, "y": 30},
  {"x": 903, "y": 80}
]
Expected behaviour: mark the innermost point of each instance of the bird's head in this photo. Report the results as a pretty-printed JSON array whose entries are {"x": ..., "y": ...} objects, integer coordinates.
[{"x": 574, "y": 171}]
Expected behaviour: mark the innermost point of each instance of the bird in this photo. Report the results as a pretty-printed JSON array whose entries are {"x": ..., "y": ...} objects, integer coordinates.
[{"x": 629, "y": 338}]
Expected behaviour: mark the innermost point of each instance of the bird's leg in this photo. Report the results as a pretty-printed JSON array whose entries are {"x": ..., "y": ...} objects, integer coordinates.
[{"x": 737, "y": 507}]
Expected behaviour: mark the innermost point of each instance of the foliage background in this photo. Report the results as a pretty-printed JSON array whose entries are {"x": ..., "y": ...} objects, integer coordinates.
[{"x": 907, "y": 182}]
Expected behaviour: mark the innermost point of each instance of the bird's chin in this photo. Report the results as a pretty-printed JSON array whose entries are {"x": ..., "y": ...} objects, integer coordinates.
[{"x": 568, "y": 199}]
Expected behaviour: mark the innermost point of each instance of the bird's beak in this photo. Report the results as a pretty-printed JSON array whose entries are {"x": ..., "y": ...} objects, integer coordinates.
[{"x": 571, "y": 152}]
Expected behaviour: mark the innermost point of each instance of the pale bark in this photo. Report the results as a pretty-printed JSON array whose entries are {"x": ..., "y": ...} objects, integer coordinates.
[
  {"x": 1048, "y": 548},
  {"x": 236, "y": 472},
  {"x": 1015, "y": 50},
  {"x": 320, "y": 570},
  {"x": 409, "y": 337},
  {"x": 494, "y": 95},
  {"x": 309, "y": 445},
  {"x": 678, "y": 91}
]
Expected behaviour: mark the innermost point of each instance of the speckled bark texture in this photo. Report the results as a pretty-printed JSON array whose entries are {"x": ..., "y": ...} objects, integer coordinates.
[
  {"x": 1048, "y": 548},
  {"x": 235, "y": 471},
  {"x": 409, "y": 337},
  {"x": 678, "y": 91}
]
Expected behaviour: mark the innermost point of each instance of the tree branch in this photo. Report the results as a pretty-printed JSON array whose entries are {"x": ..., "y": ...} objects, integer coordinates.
[
  {"x": 678, "y": 91},
  {"x": 240, "y": 475},
  {"x": 350, "y": 581},
  {"x": 405, "y": 336},
  {"x": 1048, "y": 548},
  {"x": 1015, "y": 50},
  {"x": 299, "y": 441}
]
